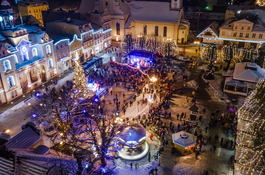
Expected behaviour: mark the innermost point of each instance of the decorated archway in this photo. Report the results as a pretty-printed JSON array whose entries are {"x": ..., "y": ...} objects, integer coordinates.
[
  {"x": 23, "y": 82},
  {"x": 43, "y": 75},
  {"x": 33, "y": 75}
]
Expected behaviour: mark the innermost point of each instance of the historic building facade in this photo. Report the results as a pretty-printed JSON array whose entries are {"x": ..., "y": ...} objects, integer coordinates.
[
  {"x": 244, "y": 28},
  {"x": 27, "y": 8},
  {"x": 142, "y": 17},
  {"x": 87, "y": 39},
  {"x": 26, "y": 57}
]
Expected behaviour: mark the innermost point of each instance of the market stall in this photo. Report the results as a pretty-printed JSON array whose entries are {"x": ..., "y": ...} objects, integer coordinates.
[{"x": 184, "y": 142}]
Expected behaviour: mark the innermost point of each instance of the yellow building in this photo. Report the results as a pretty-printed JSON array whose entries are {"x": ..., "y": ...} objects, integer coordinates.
[
  {"x": 33, "y": 8},
  {"x": 158, "y": 18}
]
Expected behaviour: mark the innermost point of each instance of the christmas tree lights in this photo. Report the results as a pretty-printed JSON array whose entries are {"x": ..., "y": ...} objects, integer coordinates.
[
  {"x": 250, "y": 149},
  {"x": 80, "y": 88}
]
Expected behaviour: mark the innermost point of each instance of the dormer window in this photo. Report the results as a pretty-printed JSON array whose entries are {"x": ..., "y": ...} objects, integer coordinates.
[
  {"x": 24, "y": 53},
  {"x": 34, "y": 52},
  {"x": 48, "y": 49},
  {"x": 7, "y": 65}
]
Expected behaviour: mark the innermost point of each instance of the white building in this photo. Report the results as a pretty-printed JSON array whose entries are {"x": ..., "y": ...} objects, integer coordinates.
[
  {"x": 62, "y": 53},
  {"x": 26, "y": 57},
  {"x": 244, "y": 78}
]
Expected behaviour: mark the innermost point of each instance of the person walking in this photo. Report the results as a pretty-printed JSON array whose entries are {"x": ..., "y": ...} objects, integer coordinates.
[
  {"x": 151, "y": 136},
  {"x": 136, "y": 166},
  {"x": 214, "y": 148},
  {"x": 156, "y": 170},
  {"x": 131, "y": 165},
  {"x": 222, "y": 139},
  {"x": 149, "y": 157}
]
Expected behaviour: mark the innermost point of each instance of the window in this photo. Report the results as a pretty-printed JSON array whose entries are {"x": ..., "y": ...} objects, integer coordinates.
[
  {"x": 238, "y": 12},
  {"x": 223, "y": 33},
  {"x": 15, "y": 59},
  {"x": 24, "y": 53},
  {"x": 235, "y": 27},
  {"x": 234, "y": 35},
  {"x": 260, "y": 36},
  {"x": 145, "y": 30},
  {"x": 242, "y": 28},
  {"x": 254, "y": 35},
  {"x": 10, "y": 81},
  {"x": 34, "y": 52},
  {"x": 7, "y": 65},
  {"x": 117, "y": 28},
  {"x": 247, "y": 35},
  {"x": 241, "y": 34},
  {"x": 229, "y": 33},
  {"x": 59, "y": 67},
  {"x": 165, "y": 31},
  {"x": 156, "y": 30},
  {"x": 48, "y": 49},
  {"x": 106, "y": 3},
  {"x": 248, "y": 28},
  {"x": 50, "y": 63}
]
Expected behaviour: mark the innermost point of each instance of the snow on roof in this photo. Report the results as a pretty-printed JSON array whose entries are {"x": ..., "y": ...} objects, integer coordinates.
[
  {"x": 213, "y": 27},
  {"x": 153, "y": 11},
  {"x": 183, "y": 139},
  {"x": 249, "y": 72}
]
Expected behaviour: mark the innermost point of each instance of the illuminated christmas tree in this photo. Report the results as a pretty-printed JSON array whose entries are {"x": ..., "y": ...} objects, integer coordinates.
[
  {"x": 80, "y": 85},
  {"x": 250, "y": 149}
]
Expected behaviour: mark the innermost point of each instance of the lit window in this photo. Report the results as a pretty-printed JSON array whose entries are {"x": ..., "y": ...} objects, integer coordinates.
[
  {"x": 50, "y": 63},
  {"x": 7, "y": 65},
  {"x": 165, "y": 31},
  {"x": 24, "y": 53},
  {"x": 10, "y": 81},
  {"x": 48, "y": 49},
  {"x": 15, "y": 59},
  {"x": 228, "y": 33},
  {"x": 117, "y": 28},
  {"x": 156, "y": 30},
  {"x": 34, "y": 52},
  {"x": 145, "y": 29},
  {"x": 238, "y": 12}
]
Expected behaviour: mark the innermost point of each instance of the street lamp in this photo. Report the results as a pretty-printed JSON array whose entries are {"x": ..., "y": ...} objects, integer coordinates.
[{"x": 197, "y": 44}]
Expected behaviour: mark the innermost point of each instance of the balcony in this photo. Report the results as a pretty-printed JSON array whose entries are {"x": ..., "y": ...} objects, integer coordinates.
[
  {"x": 19, "y": 66},
  {"x": 9, "y": 71},
  {"x": 87, "y": 39}
]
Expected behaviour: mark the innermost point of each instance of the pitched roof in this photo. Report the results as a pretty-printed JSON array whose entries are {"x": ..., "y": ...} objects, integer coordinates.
[
  {"x": 24, "y": 139},
  {"x": 212, "y": 27},
  {"x": 249, "y": 72},
  {"x": 183, "y": 139},
  {"x": 149, "y": 11}
]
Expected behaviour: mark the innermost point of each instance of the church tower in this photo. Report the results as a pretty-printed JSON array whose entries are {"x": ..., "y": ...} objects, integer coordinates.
[{"x": 176, "y": 4}]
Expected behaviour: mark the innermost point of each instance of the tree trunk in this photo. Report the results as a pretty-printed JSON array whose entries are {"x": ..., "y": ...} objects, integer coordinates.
[{"x": 79, "y": 162}]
